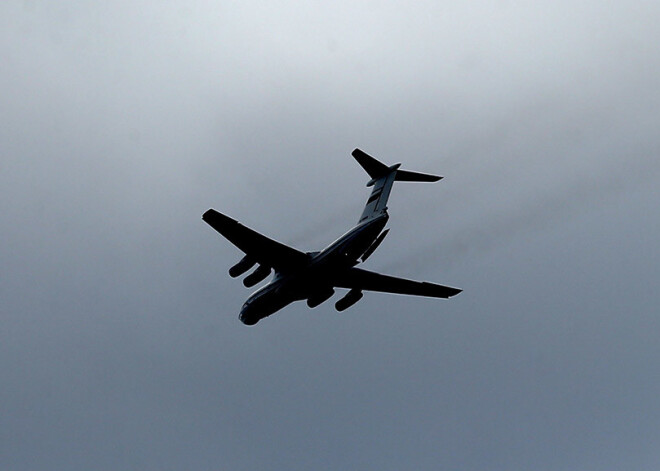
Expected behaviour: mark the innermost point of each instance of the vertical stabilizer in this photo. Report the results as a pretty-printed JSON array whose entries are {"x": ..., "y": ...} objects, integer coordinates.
[{"x": 377, "y": 202}]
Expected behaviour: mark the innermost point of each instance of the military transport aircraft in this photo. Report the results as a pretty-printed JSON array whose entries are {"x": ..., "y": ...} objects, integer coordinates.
[{"x": 315, "y": 275}]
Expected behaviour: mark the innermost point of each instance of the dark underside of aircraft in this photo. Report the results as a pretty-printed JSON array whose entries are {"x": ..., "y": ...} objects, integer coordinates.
[{"x": 313, "y": 276}]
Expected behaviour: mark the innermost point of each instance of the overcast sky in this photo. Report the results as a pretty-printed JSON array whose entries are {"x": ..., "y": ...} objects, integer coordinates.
[{"x": 122, "y": 122}]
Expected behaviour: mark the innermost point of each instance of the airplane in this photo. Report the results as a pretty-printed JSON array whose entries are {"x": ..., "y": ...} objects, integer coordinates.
[{"x": 313, "y": 276}]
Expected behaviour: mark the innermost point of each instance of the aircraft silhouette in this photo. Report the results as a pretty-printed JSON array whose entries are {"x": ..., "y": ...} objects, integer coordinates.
[{"x": 315, "y": 275}]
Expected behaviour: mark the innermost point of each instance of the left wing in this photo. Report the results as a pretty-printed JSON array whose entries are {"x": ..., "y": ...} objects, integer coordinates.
[
  {"x": 356, "y": 278},
  {"x": 260, "y": 248}
]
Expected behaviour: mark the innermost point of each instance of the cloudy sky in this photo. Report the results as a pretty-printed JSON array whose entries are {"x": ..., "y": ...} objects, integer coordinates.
[{"x": 122, "y": 122}]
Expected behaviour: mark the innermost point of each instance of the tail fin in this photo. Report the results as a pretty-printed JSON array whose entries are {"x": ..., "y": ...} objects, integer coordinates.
[{"x": 382, "y": 178}]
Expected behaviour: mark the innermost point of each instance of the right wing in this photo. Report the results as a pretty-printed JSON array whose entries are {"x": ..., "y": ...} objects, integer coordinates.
[
  {"x": 356, "y": 278},
  {"x": 260, "y": 248}
]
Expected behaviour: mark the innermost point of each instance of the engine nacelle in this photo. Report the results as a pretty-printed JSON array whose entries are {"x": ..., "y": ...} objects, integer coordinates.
[
  {"x": 319, "y": 298},
  {"x": 241, "y": 267},
  {"x": 256, "y": 276},
  {"x": 347, "y": 301}
]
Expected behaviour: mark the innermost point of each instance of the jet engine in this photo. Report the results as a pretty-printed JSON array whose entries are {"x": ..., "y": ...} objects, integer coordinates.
[
  {"x": 347, "y": 301},
  {"x": 256, "y": 276},
  {"x": 320, "y": 297},
  {"x": 241, "y": 267}
]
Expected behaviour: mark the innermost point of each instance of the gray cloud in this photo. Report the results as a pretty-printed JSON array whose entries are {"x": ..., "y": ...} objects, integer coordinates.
[{"x": 122, "y": 123}]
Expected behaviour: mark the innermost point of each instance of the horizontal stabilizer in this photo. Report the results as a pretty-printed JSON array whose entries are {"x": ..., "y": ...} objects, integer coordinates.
[
  {"x": 408, "y": 176},
  {"x": 373, "y": 167},
  {"x": 376, "y": 169}
]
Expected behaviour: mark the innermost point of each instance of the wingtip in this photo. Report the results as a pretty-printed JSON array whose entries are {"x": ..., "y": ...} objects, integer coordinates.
[
  {"x": 214, "y": 217},
  {"x": 357, "y": 151},
  {"x": 456, "y": 291}
]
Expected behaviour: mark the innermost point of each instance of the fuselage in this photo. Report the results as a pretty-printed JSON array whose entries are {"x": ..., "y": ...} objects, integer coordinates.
[{"x": 315, "y": 277}]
